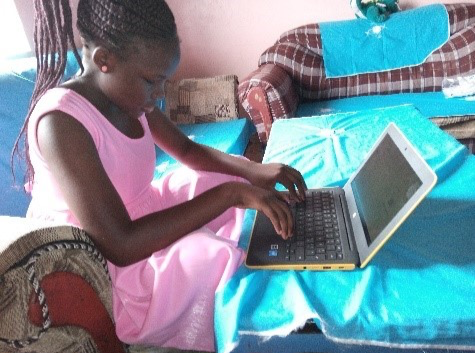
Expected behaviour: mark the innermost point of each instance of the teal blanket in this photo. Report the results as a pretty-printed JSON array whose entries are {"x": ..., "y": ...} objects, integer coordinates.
[
  {"x": 417, "y": 291},
  {"x": 407, "y": 38}
]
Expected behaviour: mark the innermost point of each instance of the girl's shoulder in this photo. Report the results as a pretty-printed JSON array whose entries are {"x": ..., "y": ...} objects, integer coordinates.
[
  {"x": 61, "y": 99},
  {"x": 64, "y": 100}
]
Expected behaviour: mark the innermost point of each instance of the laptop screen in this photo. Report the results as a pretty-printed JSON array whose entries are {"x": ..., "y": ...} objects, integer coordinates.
[{"x": 382, "y": 187}]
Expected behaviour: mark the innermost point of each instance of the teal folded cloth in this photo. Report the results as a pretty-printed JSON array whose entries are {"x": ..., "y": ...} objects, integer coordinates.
[
  {"x": 406, "y": 39},
  {"x": 417, "y": 292}
]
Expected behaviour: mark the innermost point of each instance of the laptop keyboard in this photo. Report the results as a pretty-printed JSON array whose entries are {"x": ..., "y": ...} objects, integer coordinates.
[{"x": 316, "y": 233}]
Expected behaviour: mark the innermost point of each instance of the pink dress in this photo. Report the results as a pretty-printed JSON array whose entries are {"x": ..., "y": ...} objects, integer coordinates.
[{"x": 167, "y": 299}]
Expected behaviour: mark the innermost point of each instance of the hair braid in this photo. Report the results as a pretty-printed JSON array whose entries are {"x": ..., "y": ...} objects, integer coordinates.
[
  {"x": 53, "y": 34},
  {"x": 117, "y": 22},
  {"x": 113, "y": 23}
]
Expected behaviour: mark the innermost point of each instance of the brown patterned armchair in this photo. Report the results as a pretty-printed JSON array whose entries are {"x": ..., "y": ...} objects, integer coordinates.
[
  {"x": 292, "y": 71},
  {"x": 55, "y": 291}
]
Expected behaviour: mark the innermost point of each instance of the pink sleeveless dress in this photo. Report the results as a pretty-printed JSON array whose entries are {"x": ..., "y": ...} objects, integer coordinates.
[{"x": 166, "y": 300}]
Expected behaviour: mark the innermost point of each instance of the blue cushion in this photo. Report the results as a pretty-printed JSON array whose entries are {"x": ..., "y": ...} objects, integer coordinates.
[{"x": 228, "y": 136}]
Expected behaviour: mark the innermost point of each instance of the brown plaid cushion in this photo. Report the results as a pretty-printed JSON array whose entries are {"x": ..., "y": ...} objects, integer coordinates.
[{"x": 298, "y": 53}]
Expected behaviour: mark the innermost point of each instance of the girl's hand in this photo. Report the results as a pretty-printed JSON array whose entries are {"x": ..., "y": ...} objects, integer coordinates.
[
  {"x": 268, "y": 175},
  {"x": 271, "y": 202}
]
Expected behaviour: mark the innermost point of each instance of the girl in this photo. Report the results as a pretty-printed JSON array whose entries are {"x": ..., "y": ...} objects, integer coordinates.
[{"x": 90, "y": 152}]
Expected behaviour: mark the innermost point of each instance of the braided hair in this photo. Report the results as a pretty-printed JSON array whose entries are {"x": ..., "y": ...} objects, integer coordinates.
[{"x": 112, "y": 23}]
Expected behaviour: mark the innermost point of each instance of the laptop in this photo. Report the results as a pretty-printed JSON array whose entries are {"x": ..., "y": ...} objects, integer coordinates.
[{"x": 342, "y": 228}]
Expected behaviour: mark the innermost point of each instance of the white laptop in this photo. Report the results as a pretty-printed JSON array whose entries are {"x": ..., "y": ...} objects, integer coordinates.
[{"x": 343, "y": 228}]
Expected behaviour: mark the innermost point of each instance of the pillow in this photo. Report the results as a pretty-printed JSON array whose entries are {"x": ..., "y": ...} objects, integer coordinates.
[{"x": 202, "y": 100}]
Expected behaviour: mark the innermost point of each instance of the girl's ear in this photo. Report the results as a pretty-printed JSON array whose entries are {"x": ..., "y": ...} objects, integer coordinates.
[{"x": 104, "y": 59}]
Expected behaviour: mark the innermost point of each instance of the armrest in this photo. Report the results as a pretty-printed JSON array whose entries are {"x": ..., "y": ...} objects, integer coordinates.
[
  {"x": 268, "y": 94},
  {"x": 55, "y": 290}
]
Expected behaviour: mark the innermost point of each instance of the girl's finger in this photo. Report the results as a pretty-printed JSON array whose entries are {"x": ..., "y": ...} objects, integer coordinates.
[
  {"x": 290, "y": 220},
  {"x": 283, "y": 196},
  {"x": 297, "y": 180},
  {"x": 290, "y": 185},
  {"x": 275, "y": 214},
  {"x": 285, "y": 218}
]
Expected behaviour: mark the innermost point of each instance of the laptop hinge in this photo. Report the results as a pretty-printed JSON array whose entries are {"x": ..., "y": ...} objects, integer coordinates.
[{"x": 346, "y": 218}]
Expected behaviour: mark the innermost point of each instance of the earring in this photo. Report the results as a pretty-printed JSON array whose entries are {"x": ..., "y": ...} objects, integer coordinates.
[{"x": 104, "y": 68}]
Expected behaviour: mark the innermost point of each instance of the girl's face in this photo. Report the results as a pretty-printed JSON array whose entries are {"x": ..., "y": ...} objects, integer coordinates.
[{"x": 137, "y": 81}]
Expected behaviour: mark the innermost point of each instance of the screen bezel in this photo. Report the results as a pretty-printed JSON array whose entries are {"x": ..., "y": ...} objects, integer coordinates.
[{"x": 422, "y": 170}]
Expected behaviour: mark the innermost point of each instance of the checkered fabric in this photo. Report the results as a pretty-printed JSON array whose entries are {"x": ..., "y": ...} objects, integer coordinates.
[{"x": 298, "y": 53}]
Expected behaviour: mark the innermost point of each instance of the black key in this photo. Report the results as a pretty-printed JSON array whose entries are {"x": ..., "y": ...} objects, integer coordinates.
[{"x": 300, "y": 254}]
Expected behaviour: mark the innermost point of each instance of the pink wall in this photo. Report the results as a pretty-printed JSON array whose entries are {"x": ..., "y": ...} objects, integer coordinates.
[
  {"x": 227, "y": 36},
  {"x": 26, "y": 11}
]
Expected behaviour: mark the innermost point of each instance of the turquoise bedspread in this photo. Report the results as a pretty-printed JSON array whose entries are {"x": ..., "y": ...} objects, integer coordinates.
[
  {"x": 417, "y": 291},
  {"x": 407, "y": 38}
]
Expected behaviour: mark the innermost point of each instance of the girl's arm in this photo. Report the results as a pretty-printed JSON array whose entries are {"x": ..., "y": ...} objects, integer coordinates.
[
  {"x": 199, "y": 157},
  {"x": 70, "y": 153}
]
